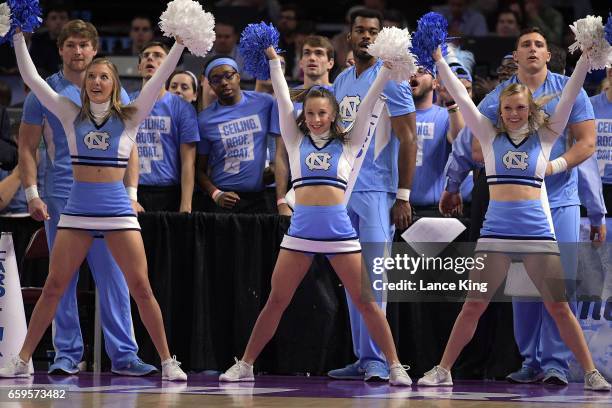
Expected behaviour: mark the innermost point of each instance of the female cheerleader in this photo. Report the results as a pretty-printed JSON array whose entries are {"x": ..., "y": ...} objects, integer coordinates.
[
  {"x": 321, "y": 157},
  {"x": 517, "y": 223},
  {"x": 101, "y": 138}
]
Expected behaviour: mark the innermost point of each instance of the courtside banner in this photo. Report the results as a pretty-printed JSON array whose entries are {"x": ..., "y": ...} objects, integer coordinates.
[{"x": 12, "y": 316}]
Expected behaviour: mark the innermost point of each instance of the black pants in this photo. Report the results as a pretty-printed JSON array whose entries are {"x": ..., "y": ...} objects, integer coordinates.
[{"x": 160, "y": 198}]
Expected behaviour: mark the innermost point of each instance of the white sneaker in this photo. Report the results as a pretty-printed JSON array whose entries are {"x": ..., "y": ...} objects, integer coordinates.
[
  {"x": 172, "y": 371},
  {"x": 594, "y": 381},
  {"x": 15, "y": 368},
  {"x": 399, "y": 376},
  {"x": 240, "y": 371},
  {"x": 436, "y": 377}
]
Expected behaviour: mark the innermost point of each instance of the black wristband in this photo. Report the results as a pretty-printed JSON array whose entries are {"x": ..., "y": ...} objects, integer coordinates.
[{"x": 449, "y": 103}]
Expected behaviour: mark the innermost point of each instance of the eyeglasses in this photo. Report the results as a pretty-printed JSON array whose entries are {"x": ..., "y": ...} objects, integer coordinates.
[{"x": 216, "y": 79}]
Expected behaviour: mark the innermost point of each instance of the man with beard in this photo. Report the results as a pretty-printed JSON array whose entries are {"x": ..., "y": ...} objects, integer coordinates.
[
  {"x": 78, "y": 44},
  {"x": 381, "y": 195},
  {"x": 166, "y": 143},
  {"x": 233, "y": 133},
  {"x": 316, "y": 63},
  {"x": 437, "y": 127}
]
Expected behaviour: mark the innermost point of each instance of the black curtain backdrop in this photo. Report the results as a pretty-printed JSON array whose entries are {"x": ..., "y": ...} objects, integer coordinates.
[{"x": 211, "y": 275}]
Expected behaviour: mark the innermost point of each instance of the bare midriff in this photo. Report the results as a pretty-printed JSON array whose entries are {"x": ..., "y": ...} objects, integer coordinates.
[
  {"x": 319, "y": 195},
  {"x": 513, "y": 192}
]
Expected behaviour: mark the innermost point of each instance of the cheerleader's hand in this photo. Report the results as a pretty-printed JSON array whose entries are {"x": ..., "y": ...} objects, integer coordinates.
[
  {"x": 271, "y": 53},
  {"x": 437, "y": 54},
  {"x": 179, "y": 40},
  {"x": 549, "y": 169},
  {"x": 388, "y": 64}
]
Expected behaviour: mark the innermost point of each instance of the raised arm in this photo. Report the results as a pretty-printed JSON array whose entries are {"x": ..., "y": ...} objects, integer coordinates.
[
  {"x": 288, "y": 126},
  {"x": 572, "y": 88},
  {"x": 148, "y": 95},
  {"x": 359, "y": 130},
  {"x": 479, "y": 124},
  {"x": 60, "y": 106}
]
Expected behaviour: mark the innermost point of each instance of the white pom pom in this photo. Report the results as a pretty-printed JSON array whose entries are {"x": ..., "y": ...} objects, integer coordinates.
[
  {"x": 590, "y": 39},
  {"x": 187, "y": 20},
  {"x": 392, "y": 45},
  {"x": 5, "y": 19}
]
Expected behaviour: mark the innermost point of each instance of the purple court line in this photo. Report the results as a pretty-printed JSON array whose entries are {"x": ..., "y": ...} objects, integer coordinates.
[{"x": 320, "y": 387}]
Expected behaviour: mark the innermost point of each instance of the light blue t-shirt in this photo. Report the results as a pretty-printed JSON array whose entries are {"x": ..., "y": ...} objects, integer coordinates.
[
  {"x": 603, "y": 127},
  {"x": 379, "y": 170},
  {"x": 172, "y": 122},
  {"x": 433, "y": 149},
  {"x": 234, "y": 138},
  {"x": 58, "y": 176},
  {"x": 563, "y": 187}
]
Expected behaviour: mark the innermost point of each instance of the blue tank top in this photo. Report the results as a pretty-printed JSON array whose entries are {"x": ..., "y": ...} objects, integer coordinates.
[
  {"x": 105, "y": 145},
  {"x": 327, "y": 165},
  {"x": 522, "y": 163}
]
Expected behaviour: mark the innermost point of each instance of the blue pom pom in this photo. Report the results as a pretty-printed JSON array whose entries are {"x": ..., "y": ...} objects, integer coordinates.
[
  {"x": 26, "y": 15},
  {"x": 431, "y": 32},
  {"x": 608, "y": 29},
  {"x": 253, "y": 41}
]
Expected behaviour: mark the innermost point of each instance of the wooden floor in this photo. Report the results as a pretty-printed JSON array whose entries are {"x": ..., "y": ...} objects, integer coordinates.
[{"x": 87, "y": 390}]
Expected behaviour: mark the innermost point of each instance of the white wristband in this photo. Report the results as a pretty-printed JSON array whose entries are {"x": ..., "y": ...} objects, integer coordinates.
[
  {"x": 558, "y": 165},
  {"x": 403, "y": 194},
  {"x": 132, "y": 192},
  {"x": 216, "y": 194},
  {"x": 31, "y": 193}
]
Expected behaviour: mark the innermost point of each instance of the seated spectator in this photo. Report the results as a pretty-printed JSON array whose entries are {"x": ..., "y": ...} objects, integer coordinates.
[
  {"x": 234, "y": 132},
  {"x": 508, "y": 24},
  {"x": 10, "y": 185},
  {"x": 265, "y": 10},
  {"x": 141, "y": 32},
  {"x": 505, "y": 70},
  {"x": 546, "y": 18},
  {"x": 394, "y": 18},
  {"x": 166, "y": 143},
  {"x": 43, "y": 47},
  {"x": 287, "y": 27},
  {"x": 226, "y": 43},
  {"x": 463, "y": 21}
]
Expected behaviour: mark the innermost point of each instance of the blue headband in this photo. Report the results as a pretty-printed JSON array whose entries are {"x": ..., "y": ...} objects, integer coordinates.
[
  {"x": 220, "y": 61},
  {"x": 461, "y": 75}
]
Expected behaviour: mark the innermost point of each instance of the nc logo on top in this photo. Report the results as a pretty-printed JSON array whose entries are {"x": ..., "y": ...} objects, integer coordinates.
[
  {"x": 348, "y": 108},
  {"x": 96, "y": 140},
  {"x": 516, "y": 160},
  {"x": 318, "y": 161}
]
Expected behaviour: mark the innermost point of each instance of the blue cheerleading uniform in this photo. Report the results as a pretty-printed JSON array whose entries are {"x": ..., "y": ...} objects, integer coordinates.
[
  {"x": 522, "y": 163},
  {"x": 106, "y": 144},
  {"x": 321, "y": 161}
]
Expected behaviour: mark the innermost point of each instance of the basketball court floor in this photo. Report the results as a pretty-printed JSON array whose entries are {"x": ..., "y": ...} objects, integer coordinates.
[{"x": 106, "y": 390}]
